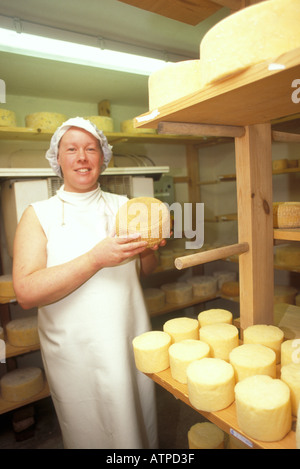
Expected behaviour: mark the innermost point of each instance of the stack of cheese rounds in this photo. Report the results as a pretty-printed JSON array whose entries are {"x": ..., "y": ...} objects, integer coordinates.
[
  {"x": 182, "y": 328},
  {"x": 21, "y": 384},
  {"x": 205, "y": 435},
  {"x": 183, "y": 353},
  {"x": 270, "y": 336},
  {"x": 222, "y": 339},
  {"x": 23, "y": 332},
  {"x": 7, "y": 118},
  {"x": 45, "y": 120},
  {"x": 151, "y": 351},
  {"x": 252, "y": 359},
  {"x": 177, "y": 292},
  {"x": 290, "y": 374},
  {"x": 214, "y": 316},
  {"x": 146, "y": 216}
]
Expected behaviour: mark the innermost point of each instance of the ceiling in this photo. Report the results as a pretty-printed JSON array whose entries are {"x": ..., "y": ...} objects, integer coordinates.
[{"x": 109, "y": 19}]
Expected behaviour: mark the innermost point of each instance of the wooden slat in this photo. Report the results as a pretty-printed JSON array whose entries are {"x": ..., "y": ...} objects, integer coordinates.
[
  {"x": 203, "y": 130},
  {"x": 210, "y": 256}
]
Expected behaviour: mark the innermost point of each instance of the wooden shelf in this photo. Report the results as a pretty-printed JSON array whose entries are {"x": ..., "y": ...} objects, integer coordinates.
[
  {"x": 287, "y": 234},
  {"x": 7, "y": 406},
  {"x": 175, "y": 307},
  {"x": 232, "y": 177}
]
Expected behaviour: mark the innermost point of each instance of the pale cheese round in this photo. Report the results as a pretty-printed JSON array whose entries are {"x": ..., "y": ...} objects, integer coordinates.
[
  {"x": 225, "y": 52},
  {"x": 174, "y": 81},
  {"x": 183, "y": 353},
  {"x": 214, "y": 316},
  {"x": 104, "y": 123},
  {"x": 205, "y": 435},
  {"x": 155, "y": 299},
  {"x": 151, "y": 351},
  {"x": 127, "y": 127},
  {"x": 290, "y": 374},
  {"x": 224, "y": 276},
  {"x": 252, "y": 359},
  {"x": 288, "y": 255},
  {"x": 286, "y": 215},
  {"x": 284, "y": 294},
  {"x": 222, "y": 339},
  {"x": 210, "y": 384},
  {"x": 7, "y": 118},
  {"x": 23, "y": 332},
  {"x": 290, "y": 352},
  {"x": 21, "y": 384},
  {"x": 263, "y": 408},
  {"x": 177, "y": 292},
  {"x": 182, "y": 329},
  {"x": 270, "y": 336},
  {"x": 231, "y": 289},
  {"x": 45, "y": 120},
  {"x": 203, "y": 285}
]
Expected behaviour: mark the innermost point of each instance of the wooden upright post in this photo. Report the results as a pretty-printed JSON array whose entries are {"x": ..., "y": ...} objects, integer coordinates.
[{"x": 255, "y": 224}]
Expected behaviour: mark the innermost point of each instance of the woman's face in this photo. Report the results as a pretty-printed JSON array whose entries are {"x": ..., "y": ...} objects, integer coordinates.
[{"x": 80, "y": 158}]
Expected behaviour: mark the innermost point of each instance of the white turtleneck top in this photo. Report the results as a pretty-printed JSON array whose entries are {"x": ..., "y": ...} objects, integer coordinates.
[{"x": 101, "y": 400}]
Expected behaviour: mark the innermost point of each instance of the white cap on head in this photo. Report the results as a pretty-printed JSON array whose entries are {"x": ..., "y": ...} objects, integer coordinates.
[{"x": 82, "y": 123}]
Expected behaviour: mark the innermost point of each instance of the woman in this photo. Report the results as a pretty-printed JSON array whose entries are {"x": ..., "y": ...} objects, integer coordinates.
[{"x": 85, "y": 283}]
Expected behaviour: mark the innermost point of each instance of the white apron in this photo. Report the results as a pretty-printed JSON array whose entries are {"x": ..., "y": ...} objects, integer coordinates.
[{"x": 101, "y": 400}]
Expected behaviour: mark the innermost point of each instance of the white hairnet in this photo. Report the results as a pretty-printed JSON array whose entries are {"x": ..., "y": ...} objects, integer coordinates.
[{"x": 82, "y": 123}]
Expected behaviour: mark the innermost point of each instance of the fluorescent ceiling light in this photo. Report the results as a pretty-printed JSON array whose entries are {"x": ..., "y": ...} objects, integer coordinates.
[{"x": 47, "y": 48}]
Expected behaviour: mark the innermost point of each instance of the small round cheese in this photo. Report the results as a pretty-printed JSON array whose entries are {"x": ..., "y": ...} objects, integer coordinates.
[
  {"x": 178, "y": 292},
  {"x": 182, "y": 328},
  {"x": 154, "y": 298},
  {"x": 182, "y": 353},
  {"x": 7, "y": 118},
  {"x": 203, "y": 285},
  {"x": 290, "y": 374},
  {"x": 270, "y": 336},
  {"x": 21, "y": 384},
  {"x": 23, "y": 332},
  {"x": 263, "y": 408},
  {"x": 146, "y": 216},
  {"x": 224, "y": 276},
  {"x": 210, "y": 384},
  {"x": 151, "y": 351},
  {"x": 103, "y": 123},
  {"x": 213, "y": 316},
  {"x": 205, "y": 435},
  {"x": 290, "y": 352},
  {"x": 231, "y": 289},
  {"x": 252, "y": 359},
  {"x": 222, "y": 339},
  {"x": 45, "y": 120}
]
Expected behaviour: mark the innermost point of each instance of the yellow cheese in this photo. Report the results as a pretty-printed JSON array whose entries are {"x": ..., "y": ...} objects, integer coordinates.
[
  {"x": 263, "y": 408},
  {"x": 45, "y": 120},
  {"x": 290, "y": 352},
  {"x": 231, "y": 289},
  {"x": 178, "y": 292},
  {"x": 146, "y": 216},
  {"x": 182, "y": 353},
  {"x": 224, "y": 276},
  {"x": 298, "y": 430},
  {"x": 286, "y": 214},
  {"x": 205, "y": 435},
  {"x": 252, "y": 359},
  {"x": 210, "y": 384},
  {"x": 154, "y": 298},
  {"x": 104, "y": 123},
  {"x": 7, "y": 118},
  {"x": 290, "y": 374},
  {"x": 174, "y": 81},
  {"x": 151, "y": 351},
  {"x": 288, "y": 255},
  {"x": 270, "y": 336},
  {"x": 127, "y": 126},
  {"x": 22, "y": 332},
  {"x": 6, "y": 289},
  {"x": 182, "y": 328},
  {"x": 222, "y": 339},
  {"x": 213, "y": 316},
  {"x": 284, "y": 294},
  {"x": 203, "y": 285},
  {"x": 21, "y": 384},
  {"x": 269, "y": 28}
]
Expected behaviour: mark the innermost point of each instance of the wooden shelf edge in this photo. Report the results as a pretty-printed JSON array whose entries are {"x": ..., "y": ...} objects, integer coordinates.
[{"x": 175, "y": 307}]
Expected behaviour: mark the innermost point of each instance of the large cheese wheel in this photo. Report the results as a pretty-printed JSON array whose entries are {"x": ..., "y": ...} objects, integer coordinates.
[
  {"x": 174, "y": 81},
  {"x": 290, "y": 352},
  {"x": 203, "y": 285},
  {"x": 182, "y": 328},
  {"x": 253, "y": 359},
  {"x": 213, "y": 316},
  {"x": 298, "y": 430},
  {"x": 183, "y": 353},
  {"x": 263, "y": 408},
  {"x": 151, "y": 351},
  {"x": 178, "y": 292},
  {"x": 205, "y": 435},
  {"x": 224, "y": 51},
  {"x": 222, "y": 339},
  {"x": 286, "y": 214},
  {"x": 22, "y": 332},
  {"x": 224, "y": 276},
  {"x": 127, "y": 126},
  {"x": 288, "y": 255},
  {"x": 210, "y": 384},
  {"x": 104, "y": 123},
  {"x": 270, "y": 336},
  {"x": 146, "y": 216},
  {"x": 284, "y": 294},
  {"x": 21, "y": 384},
  {"x": 45, "y": 120},
  {"x": 154, "y": 298},
  {"x": 7, "y": 118},
  {"x": 6, "y": 288},
  {"x": 290, "y": 374}
]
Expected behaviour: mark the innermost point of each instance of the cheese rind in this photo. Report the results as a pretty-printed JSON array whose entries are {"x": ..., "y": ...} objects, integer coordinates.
[
  {"x": 222, "y": 339},
  {"x": 252, "y": 359},
  {"x": 263, "y": 408},
  {"x": 7, "y": 118},
  {"x": 182, "y": 329},
  {"x": 45, "y": 120},
  {"x": 21, "y": 384},
  {"x": 270, "y": 336},
  {"x": 290, "y": 374},
  {"x": 213, "y": 316},
  {"x": 104, "y": 123},
  {"x": 23, "y": 332},
  {"x": 182, "y": 353},
  {"x": 205, "y": 435},
  {"x": 178, "y": 292},
  {"x": 210, "y": 384},
  {"x": 203, "y": 285},
  {"x": 151, "y": 351}
]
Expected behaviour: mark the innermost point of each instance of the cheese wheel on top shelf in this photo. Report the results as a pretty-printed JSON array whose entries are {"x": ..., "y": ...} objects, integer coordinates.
[
  {"x": 23, "y": 332},
  {"x": 210, "y": 384},
  {"x": 182, "y": 329},
  {"x": 177, "y": 292},
  {"x": 222, "y": 339},
  {"x": 21, "y": 384},
  {"x": 45, "y": 120},
  {"x": 205, "y": 435},
  {"x": 290, "y": 374},
  {"x": 270, "y": 336},
  {"x": 151, "y": 351},
  {"x": 203, "y": 285},
  {"x": 7, "y": 118},
  {"x": 263, "y": 408},
  {"x": 104, "y": 123},
  {"x": 182, "y": 353},
  {"x": 214, "y": 316},
  {"x": 286, "y": 215},
  {"x": 252, "y": 359}
]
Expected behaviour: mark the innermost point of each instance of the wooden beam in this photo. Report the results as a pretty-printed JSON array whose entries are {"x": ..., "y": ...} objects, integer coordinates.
[
  {"x": 210, "y": 256},
  {"x": 204, "y": 130}
]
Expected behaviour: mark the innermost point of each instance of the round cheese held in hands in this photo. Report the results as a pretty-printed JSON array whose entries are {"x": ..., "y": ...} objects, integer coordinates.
[{"x": 145, "y": 216}]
